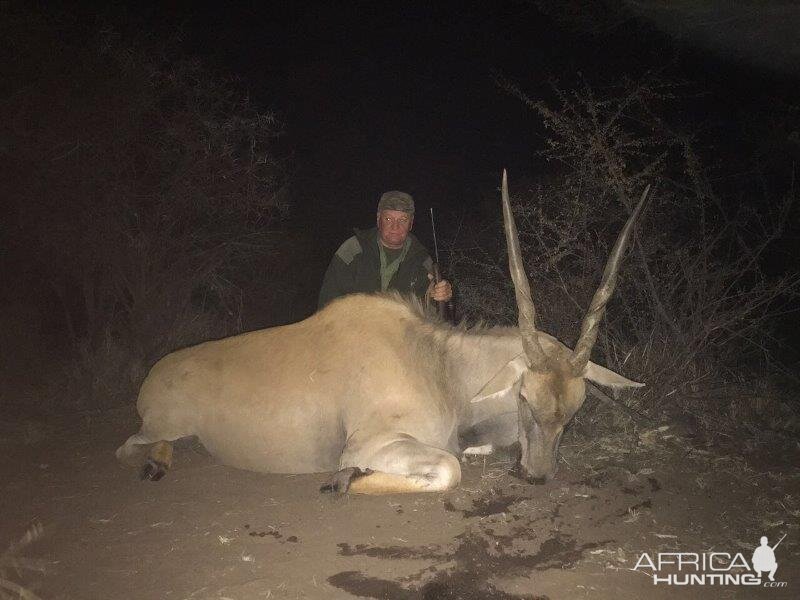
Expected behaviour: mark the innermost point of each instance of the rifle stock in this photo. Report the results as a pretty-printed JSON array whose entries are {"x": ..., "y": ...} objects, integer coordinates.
[{"x": 442, "y": 305}]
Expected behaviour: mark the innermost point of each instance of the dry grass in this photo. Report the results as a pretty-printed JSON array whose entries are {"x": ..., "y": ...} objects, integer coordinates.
[
  {"x": 12, "y": 564},
  {"x": 694, "y": 314}
]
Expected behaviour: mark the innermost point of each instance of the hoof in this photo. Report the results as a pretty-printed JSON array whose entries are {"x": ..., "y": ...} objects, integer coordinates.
[
  {"x": 341, "y": 480},
  {"x": 153, "y": 470}
]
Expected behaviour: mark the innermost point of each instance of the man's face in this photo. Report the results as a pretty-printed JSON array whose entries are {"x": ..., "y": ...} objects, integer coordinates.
[{"x": 393, "y": 227}]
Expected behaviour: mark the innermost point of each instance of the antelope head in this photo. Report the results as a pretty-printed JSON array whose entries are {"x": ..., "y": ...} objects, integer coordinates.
[{"x": 549, "y": 379}]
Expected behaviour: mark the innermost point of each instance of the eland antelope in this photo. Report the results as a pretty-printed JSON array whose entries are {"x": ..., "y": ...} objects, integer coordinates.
[{"x": 375, "y": 391}]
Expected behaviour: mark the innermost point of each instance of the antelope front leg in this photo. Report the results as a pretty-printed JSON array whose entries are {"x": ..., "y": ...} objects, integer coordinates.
[{"x": 399, "y": 466}]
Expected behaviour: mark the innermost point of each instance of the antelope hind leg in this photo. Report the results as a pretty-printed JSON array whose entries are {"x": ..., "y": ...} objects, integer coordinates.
[
  {"x": 153, "y": 458},
  {"x": 133, "y": 452},
  {"x": 159, "y": 460}
]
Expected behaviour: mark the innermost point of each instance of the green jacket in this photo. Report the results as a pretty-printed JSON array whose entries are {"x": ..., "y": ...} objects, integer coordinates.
[{"x": 356, "y": 267}]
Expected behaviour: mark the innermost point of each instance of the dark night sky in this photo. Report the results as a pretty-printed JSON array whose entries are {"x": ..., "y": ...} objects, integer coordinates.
[
  {"x": 400, "y": 95},
  {"x": 377, "y": 98}
]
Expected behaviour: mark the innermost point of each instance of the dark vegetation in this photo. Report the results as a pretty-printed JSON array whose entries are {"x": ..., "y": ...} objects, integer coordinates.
[
  {"x": 700, "y": 299},
  {"x": 148, "y": 202},
  {"x": 145, "y": 189}
]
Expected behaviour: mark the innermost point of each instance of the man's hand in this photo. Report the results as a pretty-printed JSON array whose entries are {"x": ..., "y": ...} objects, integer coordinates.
[{"x": 440, "y": 292}]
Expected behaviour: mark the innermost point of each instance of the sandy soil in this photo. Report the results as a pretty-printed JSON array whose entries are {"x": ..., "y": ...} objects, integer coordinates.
[{"x": 209, "y": 531}]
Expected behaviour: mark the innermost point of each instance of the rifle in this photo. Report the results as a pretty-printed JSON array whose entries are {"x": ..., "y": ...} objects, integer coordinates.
[{"x": 445, "y": 308}]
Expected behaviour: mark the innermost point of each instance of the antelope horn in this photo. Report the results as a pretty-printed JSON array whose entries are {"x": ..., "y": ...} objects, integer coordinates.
[
  {"x": 591, "y": 322},
  {"x": 522, "y": 289}
]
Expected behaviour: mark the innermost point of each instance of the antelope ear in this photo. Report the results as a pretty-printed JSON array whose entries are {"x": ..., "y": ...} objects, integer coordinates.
[
  {"x": 504, "y": 380},
  {"x": 600, "y": 375}
]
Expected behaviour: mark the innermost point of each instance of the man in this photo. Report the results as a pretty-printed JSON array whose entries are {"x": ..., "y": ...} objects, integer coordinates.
[
  {"x": 387, "y": 257},
  {"x": 764, "y": 558}
]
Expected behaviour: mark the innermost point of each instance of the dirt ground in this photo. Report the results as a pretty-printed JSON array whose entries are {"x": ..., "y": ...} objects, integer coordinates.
[{"x": 207, "y": 531}]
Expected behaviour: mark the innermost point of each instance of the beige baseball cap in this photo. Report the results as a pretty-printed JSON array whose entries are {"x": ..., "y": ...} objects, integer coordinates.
[{"x": 396, "y": 200}]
